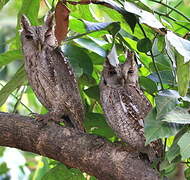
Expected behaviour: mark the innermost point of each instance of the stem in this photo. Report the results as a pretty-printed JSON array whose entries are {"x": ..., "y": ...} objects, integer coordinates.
[
  {"x": 165, "y": 143},
  {"x": 173, "y": 9},
  {"x": 153, "y": 60}
]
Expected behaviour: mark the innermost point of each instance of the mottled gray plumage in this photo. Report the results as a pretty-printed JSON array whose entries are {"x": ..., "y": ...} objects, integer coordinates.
[
  {"x": 125, "y": 105},
  {"x": 49, "y": 73}
]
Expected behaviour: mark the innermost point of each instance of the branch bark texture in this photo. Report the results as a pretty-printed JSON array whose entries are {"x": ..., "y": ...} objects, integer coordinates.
[{"x": 89, "y": 153}]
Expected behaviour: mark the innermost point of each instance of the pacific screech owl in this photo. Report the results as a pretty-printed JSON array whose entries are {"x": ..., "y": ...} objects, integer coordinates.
[
  {"x": 125, "y": 105},
  {"x": 49, "y": 73}
]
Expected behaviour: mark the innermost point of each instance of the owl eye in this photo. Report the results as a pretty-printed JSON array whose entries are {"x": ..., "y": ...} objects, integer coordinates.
[
  {"x": 47, "y": 35},
  {"x": 29, "y": 37},
  {"x": 112, "y": 72}
]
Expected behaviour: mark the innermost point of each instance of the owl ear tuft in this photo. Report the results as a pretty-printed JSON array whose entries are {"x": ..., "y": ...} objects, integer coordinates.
[
  {"x": 49, "y": 20},
  {"x": 25, "y": 22}
]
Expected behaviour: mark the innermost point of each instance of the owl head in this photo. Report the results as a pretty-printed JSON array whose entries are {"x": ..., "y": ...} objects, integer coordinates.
[
  {"x": 121, "y": 74},
  {"x": 38, "y": 37}
]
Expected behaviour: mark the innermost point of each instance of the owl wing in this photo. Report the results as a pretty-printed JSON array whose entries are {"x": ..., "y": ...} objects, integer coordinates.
[{"x": 68, "y": 94}]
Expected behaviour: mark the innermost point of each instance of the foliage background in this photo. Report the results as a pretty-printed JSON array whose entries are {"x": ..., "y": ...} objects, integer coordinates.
[{"x": 87, "y": 54}]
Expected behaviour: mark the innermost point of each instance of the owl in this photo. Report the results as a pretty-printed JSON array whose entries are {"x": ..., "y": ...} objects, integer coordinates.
[
  {"x": 50, "y": 74},
  {"x": 125, "y": 105}
]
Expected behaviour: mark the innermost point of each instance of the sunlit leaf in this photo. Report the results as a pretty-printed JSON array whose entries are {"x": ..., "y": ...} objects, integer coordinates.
[
  {"x": 144, "y": 16},
  {"x": 113, "y": 57},
  {"x": 9, "y": 56},
  {"x": 184, "y": 145},
  {"x": 182, "y": 46},
  {"x": 30, "y": 8},
  {"x": 91, "y": 45},
  {"x": 178, "y": 115},
  {"x": 18, "y": 80},
  {"x": 183, "y": 75}
]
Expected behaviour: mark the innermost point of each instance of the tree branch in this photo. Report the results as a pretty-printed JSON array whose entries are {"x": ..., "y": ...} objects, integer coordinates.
[{"x": 89, "y": 153}]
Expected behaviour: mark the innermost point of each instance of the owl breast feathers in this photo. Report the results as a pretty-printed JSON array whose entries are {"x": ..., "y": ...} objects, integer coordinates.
[
  {"x": 49, "y": 72},
  {"x": 125, "y": 105}
]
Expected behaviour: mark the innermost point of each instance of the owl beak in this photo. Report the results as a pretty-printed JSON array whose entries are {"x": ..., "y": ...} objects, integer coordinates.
[{"x": 39, "y": 46}]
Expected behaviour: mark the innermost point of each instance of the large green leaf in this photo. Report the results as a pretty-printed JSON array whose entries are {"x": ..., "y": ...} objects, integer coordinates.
[
  {"x": 9, "y": 56},
  {"x": 182, "y": 46},
  {"x": 79, "y": 56},
  {"x": 184, "y": 145},
  {"x": 164, "y": 104},
  {"x": 91, "y": 45},
  {"x": 173, "y": 152},
  {"x": 93, "y": 92},
  {"x": 155, "y": 128},
  {"x": 145, "y": 17},
  {"x": 96, "y": 124},
  {"x": 148, "y": 85},
  {"x": 166, "y": 76},
  {"x": 18, "y": 80},
  {"x": 178, "y": 115},
  {"x": 61, "y": 172}
]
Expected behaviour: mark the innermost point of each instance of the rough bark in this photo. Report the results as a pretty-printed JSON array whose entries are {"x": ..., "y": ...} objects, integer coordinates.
[{"x": 89, "y": 153}]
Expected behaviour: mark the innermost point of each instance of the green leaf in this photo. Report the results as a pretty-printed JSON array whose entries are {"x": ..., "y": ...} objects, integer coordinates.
[
  {"x": 95, "y": 123},
  {"x": 2, "y": 3},
  {"x": 61, "y": 172},
  {"x": 173, "y": 152},
  {"x": 184, "y": 145},
  {"x": 91, "y": 45},
  {"x": 18, "y": 80},
  {"x": 93, "y": 92},
  {"x": 2, "y": 149},
  {"x": 144, "y": 45},
  {"x": 166, "y": 76},
  {"x": 183, "y": 75},
  {"x": 42, "y": 168},
  {"x": 9, "y": 56},
  {"x": 178, "y": 115},
  {"x": 148, "y": 85},
  {"x": 182, "y": 46},
  {"x": 164, "y": 104},
  {"x": 79, "y": 56},
  {"x": 3, "y": 168},
  {"x": 30, "y": 8},
  {"x": 112, "y": 27},
  {"x": 145, "y": 17},
  {"x": 155, "y": 129},
  {"x": 187, "y": 173}
]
